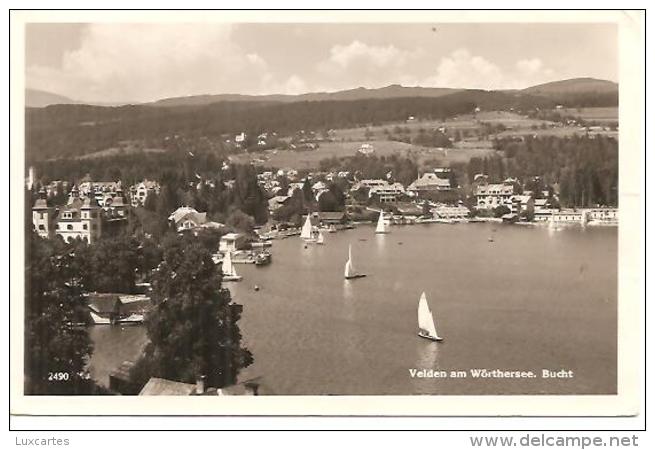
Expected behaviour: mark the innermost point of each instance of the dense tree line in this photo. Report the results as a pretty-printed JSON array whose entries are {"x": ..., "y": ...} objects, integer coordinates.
[
  {"x": 584, "y": 168},
  {"x": 392, "y": 168},
  {"x": 133, "y": 167}
]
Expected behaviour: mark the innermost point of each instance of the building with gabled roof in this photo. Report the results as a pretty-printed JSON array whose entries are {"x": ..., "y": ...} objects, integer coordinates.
[
  {"x": 140, "y": 192},
  {"x": 429, "y": 182},
  {"x": 490, "y": 196},
  {"x": 162, "y": 386},
  {"x": 186, "y": 218},
  {"x": 80, "y": 218}
]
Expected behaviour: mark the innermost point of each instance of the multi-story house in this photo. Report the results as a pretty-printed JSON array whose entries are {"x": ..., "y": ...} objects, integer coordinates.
[
  {"x": 429, "y": 182},
  {"x": 387, "y": 192},
  {"x": 186, "y": 218},
  {"x": 43, "y": 216},
  {"x": 140, "y": 192},
  {"x": 81, "y": 217},
  {"x": 490, "y": 196}
]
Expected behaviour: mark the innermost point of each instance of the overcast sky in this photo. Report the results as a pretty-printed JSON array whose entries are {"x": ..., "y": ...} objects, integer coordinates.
[{"x": 143, "y": 62}]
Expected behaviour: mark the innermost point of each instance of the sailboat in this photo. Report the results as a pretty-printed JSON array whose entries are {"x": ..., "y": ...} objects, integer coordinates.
[
  {"x": 426, "y": 327},
  {"x": 229, "y": 271},
  {"x": 320, "y": 240},
  {"x": 382, "y": 226},
  {"x": 306, "y": 232},
  {"x": 349, "y": 271}
]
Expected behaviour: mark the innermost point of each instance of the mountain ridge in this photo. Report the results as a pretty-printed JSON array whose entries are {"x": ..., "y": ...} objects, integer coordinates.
[{"x": 576, "y": 86}]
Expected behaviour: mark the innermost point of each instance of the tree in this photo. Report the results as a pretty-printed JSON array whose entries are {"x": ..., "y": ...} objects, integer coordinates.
[
  {"x": 241, "y": 221},
  {"x": 307, "y": 193},
  {"x": 112, "y": 265},
  {"x": 56, "y": 348},
  {"x": 193, "y": 328},
  {"x": 500, "y": 211},
  {"x": 426, "y": 208},
  {"x": 328, "y": 201}
]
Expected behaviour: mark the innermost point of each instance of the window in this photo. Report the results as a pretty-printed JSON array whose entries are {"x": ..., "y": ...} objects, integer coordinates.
[
  {"x": 69, "y": 227},
  {"x": 42, "y": 227},
  {"x": 85, "y": 227},
  {"x": 94, "y": 226}
]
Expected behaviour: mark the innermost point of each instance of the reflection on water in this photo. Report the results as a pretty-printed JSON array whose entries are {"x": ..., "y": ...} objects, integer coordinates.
[
  {"x": 427, "y": 354},
  {"x": 516, "y": 303}
]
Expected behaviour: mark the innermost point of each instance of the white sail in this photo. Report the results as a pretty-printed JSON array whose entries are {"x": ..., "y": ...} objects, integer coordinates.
[
  {"x": 228, "y": 267},
  {"x": 382, "y": 226},
  {"x": 425, "y": 319},
  {"x": 320, "y": 239},
  {"x": 306, "y": 232},
  {"x": 349, "y": 270}
]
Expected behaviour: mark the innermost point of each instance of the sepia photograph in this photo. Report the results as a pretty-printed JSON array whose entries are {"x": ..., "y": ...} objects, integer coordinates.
[{"x": 294, "y": 206}]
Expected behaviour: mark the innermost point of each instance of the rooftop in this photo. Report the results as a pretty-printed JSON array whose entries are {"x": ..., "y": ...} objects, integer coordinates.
[{"x": 161, "y": 386}]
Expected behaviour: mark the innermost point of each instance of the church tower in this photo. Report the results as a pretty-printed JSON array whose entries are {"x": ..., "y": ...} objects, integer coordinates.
[
  {"x": 42, "y": 215},
  {"x": 91, "y": 218}
]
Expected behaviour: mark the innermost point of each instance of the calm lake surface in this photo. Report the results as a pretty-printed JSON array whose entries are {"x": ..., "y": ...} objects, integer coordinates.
[{"x": 533, "y": 299}]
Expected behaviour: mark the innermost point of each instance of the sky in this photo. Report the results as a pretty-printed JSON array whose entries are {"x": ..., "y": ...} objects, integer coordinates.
[{"x": 99, "y": 62}]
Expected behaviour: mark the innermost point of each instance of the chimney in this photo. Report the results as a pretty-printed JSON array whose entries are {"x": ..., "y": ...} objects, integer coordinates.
[{"x": 200, "y": 385}]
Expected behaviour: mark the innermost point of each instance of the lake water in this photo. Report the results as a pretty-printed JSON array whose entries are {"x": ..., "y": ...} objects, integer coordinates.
[{"x": 533, "y": 299}]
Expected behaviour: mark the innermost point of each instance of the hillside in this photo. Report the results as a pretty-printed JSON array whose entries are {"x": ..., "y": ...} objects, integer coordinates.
[
  {"x": 74, "y": 130},
  {"x": 35, "y": 98},
  {"x": 578, "y": 92},
  {"x": 392, "y": 91},
  {"x": 573, "y": 86}
]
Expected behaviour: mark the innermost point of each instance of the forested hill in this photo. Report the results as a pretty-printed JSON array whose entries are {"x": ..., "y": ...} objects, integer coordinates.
[
  {"x": 361, "y": 93},
  {"x": 68, "y": 131},
  {"x": 578, "y": 92},
  {"x": 65, "y": 131}
]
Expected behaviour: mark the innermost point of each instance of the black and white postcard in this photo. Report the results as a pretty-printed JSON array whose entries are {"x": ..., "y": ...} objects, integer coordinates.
[{"x": 327, "y": 213}]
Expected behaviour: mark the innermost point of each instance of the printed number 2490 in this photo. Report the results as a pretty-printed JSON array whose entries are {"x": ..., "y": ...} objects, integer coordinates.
[{"x": 58, "y": 376}]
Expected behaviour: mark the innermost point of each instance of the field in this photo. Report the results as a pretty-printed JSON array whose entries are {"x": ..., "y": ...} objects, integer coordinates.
[
  {"x": 311, "y": 159},
  {"x": 476, "y": 132},
  {"x": 346, "y": 142},
  {"x": 593, "y": 114},
  {"x": 124, "y": 149},
  {"x": 469, "y": 122}
]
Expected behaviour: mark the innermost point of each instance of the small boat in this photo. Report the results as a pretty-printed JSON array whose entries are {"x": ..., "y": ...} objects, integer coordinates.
[
  {"x": 320, "y": 240},
  {"x": 98, "y": 320},
  {"x": 229, "y": 271},
  {"x": 131, "y": 319},
  {"x": 381, "y": 228},
  {"x": 263, "y": 258},
  {"x": 491, "y": 239},
  {"x": 256, "y": 288},
  {"x": 306, "y": 234},
  {"x": 426, "y": 326},
  {"x": 349, "y": 272}
]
